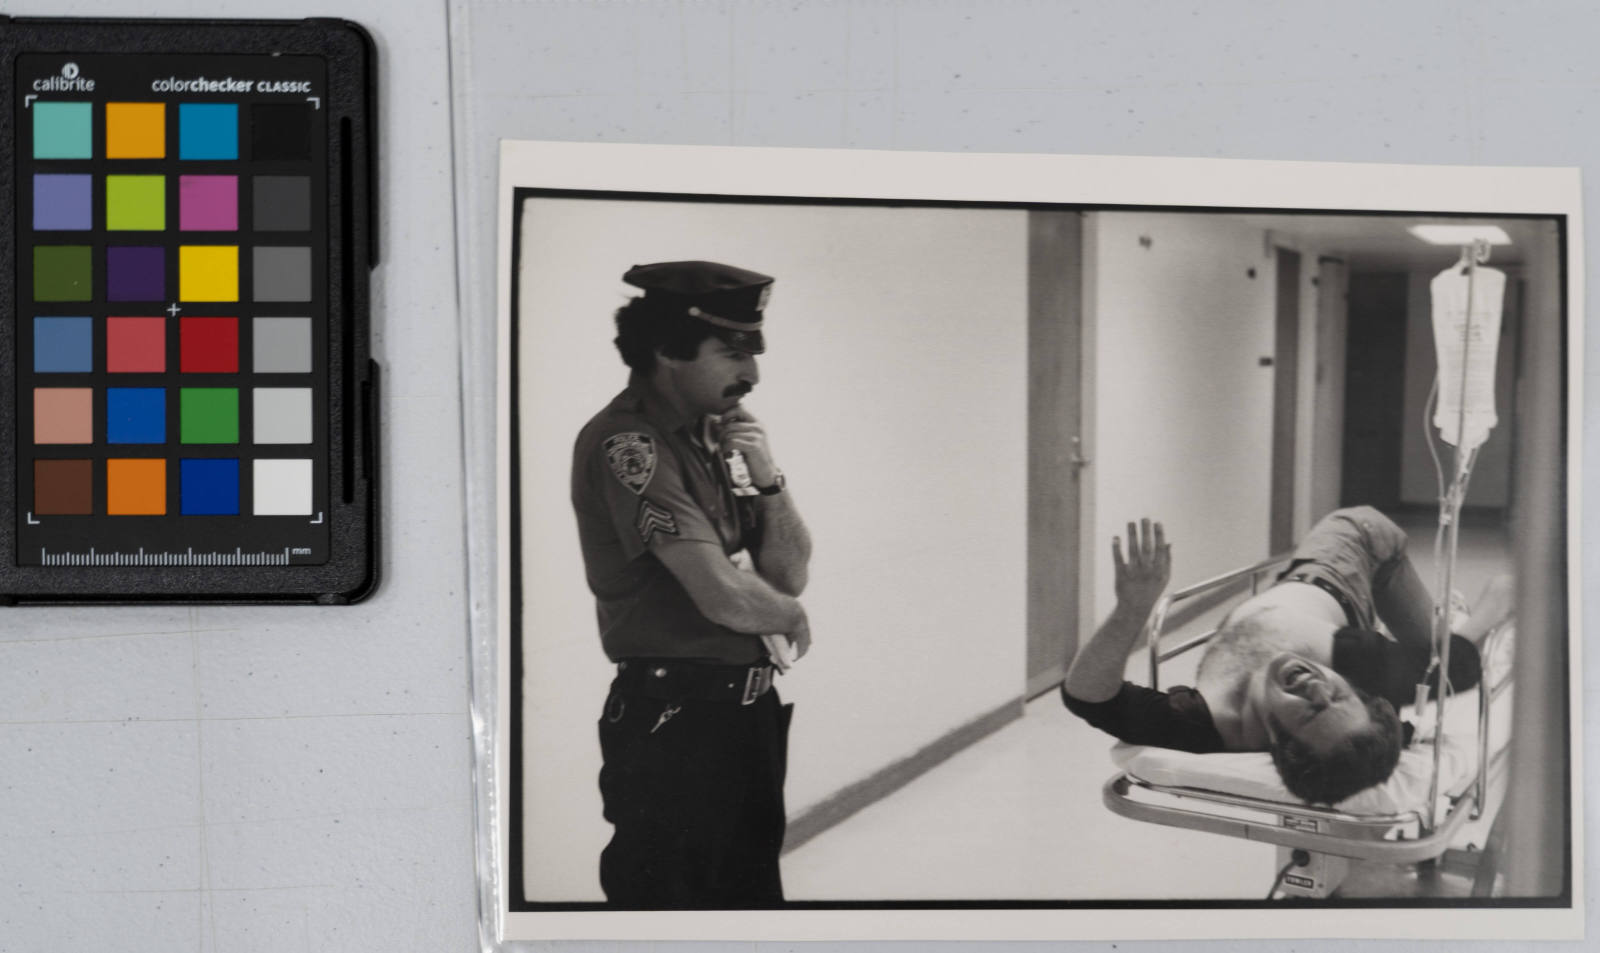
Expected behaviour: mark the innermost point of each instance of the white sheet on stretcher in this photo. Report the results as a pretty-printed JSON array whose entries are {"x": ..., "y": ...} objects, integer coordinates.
[{"x": 1251, "y": 773}]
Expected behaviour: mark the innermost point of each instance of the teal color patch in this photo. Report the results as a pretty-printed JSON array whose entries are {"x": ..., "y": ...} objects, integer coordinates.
[{"x": 63, "y": 130}]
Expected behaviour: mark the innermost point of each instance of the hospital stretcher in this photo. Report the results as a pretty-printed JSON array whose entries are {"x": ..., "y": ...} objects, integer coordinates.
[{"x": 1416, "y": 816}]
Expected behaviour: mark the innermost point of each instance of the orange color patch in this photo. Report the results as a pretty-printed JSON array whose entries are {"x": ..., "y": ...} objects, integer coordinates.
[
  {"x": 136, "y": 130},
  {"x": 136, "y": 487}
]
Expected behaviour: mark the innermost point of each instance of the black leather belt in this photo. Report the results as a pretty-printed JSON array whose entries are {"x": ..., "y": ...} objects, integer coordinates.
[
  {"x": 679, "y": 680},
  {"x": 1332, "y": 590}
]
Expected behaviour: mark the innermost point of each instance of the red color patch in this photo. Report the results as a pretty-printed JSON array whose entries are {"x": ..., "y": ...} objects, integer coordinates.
[{"x": 209, "y": 346}]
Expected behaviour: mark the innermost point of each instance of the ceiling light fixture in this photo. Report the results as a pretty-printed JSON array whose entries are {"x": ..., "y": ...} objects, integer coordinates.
[{"x": 1460, "y": 234}]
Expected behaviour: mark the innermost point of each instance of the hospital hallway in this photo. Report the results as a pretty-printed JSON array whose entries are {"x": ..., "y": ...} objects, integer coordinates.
[{"x": 1018, "y": 815}]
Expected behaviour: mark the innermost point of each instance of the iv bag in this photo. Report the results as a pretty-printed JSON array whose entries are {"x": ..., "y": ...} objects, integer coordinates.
[{"x": 1471, "y": 339}]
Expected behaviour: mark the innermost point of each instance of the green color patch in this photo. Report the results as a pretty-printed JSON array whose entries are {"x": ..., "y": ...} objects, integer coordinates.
[
  {"x": 208, "y": 415},
  {"x": 62, "y": 273},
  {"x": 136, "y": 203}
]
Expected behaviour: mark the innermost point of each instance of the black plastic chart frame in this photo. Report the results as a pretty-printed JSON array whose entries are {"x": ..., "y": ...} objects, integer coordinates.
[{"x": 187, "y": 398}]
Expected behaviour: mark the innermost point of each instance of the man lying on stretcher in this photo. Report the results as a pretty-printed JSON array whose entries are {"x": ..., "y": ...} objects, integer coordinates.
[{"x": 1297, "y": 670}]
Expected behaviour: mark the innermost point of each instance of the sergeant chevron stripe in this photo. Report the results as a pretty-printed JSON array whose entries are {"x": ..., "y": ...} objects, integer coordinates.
[{"x": 653, "y": 519}]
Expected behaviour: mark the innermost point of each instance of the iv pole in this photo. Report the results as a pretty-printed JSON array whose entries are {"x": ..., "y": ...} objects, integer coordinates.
[{"x": 1445, "y": 542}]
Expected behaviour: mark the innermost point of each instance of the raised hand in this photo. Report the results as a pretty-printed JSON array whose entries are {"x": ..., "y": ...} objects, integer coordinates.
[{"x": 1144, "y": 574}]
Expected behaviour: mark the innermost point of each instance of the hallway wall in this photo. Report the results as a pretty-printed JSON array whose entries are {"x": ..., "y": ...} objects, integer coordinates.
[
  {"x": 1181, "y": 402},
  {"x": 894, "y": 392}
]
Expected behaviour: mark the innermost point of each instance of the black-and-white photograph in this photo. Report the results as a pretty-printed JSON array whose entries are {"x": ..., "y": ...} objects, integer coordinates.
[{"x": 919, "y": 552}]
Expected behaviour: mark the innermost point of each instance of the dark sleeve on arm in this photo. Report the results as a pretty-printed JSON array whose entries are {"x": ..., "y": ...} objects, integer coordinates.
[
  {"x": 1143, "y": 716},
  {"x": 1380, "y": 666}
]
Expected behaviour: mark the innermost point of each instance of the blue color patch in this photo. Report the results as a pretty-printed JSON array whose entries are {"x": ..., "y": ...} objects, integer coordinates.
[
  {"x": 209, "y": 487},
  {"x": 136, "y": 415},
  {"x": 63, "y": 345},
  {"x": 208, "y": 131}
]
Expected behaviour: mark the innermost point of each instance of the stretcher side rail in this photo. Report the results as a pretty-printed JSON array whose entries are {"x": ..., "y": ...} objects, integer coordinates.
[
  {"x": 1371, "y": 846},
  {"x": 1164, "y": 605},
  {"x": 1361, "y": 837}
]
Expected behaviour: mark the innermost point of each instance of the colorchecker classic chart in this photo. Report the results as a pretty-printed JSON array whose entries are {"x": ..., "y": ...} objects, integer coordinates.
[{"x": 190, "y": 400}]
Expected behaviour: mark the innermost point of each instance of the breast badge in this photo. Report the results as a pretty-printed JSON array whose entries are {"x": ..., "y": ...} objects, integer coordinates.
[{"x": 632, "y": 457}]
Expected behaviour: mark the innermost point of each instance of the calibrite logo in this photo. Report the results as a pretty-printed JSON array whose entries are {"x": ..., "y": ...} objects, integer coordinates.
[{"x": 68, "y": 82}]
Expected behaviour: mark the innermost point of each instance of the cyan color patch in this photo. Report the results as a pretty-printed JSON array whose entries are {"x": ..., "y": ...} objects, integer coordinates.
[
  {"x": 63, "y": 130},
  {"x": 136, "y": 415},
  {"x": 208, "y": 487},
  {"x": 208, "y": 131},
  {"x": 63, "y": 345}
]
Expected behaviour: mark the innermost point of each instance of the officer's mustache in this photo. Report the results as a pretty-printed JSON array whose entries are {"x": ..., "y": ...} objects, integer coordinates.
[{"x": 738, "y": 390}]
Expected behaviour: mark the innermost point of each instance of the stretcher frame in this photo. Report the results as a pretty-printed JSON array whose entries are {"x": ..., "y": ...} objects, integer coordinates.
[{"x": 1404, "y": 838}]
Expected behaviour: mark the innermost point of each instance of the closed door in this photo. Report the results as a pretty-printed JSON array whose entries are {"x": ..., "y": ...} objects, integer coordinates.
[
  {"x": 1057, "y": 455},
  {"x": 1285, "y": 389}
]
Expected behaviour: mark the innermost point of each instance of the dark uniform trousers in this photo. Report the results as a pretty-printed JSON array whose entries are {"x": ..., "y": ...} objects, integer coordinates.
[{"x": 696, "y": 799}]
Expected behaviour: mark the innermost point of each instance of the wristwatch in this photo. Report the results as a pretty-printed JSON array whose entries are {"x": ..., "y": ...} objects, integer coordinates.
[{"x": 778, "y": 483}]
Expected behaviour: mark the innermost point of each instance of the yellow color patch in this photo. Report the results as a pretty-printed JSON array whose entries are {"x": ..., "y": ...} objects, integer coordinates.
[
  {"x": 136, "y": 487},
  {"x": 136, "y": 130},
  {"x": 208, "y": 273}
]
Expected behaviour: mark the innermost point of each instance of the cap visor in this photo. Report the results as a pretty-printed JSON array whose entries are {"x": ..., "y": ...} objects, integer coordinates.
[{"x": 750, "y": 342}]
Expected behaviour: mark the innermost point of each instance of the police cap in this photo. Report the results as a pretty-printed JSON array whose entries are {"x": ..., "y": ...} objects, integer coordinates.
[{"x": 729, "y": 299}]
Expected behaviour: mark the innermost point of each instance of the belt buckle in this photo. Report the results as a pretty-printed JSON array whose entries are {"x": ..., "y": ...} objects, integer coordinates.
[{"x": 757, "y": 679}]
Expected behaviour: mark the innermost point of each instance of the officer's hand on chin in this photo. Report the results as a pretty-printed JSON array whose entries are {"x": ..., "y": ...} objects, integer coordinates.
[{"x": 742, "y": 431}]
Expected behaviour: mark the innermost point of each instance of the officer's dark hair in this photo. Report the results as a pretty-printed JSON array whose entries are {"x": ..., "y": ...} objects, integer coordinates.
[
  {"x": 1357, "y": 762},
  {"x": 645, "y": 327}
]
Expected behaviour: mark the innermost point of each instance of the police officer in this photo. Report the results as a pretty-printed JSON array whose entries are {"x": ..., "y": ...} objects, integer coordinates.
[{"x": 695, "y": 553}]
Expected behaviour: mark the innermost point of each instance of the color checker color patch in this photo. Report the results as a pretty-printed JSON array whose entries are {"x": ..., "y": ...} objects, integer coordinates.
[
  {"x": 136, "y": 345},
  {"x": 208, "y": 203},
  {"x": 189, "y": 383},
  {"x": 209, "y": 487},
  {"x": 63, "y": 203},
  {"x": 63, "y": 273},
  {"x": 136, "y": 130},
  {"x": 63, "y": 345},
  {"x": 136, "y": 487},
  {"x": 63, "y": 487},
  {"x": 63, "y": 130},
  {"x": 136, "y": 273}
]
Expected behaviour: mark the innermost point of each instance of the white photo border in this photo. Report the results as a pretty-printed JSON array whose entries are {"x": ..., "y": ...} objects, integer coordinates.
[{"x": 1130, "y": 183}]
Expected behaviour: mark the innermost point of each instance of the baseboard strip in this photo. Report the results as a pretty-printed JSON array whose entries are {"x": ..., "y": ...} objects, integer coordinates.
[{"x": 891, "y": 778}]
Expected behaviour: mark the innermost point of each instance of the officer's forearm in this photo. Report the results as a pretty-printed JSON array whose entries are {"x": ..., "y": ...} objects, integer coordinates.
[
  {"x": 785, "y": 551},
  {"x": 747, "y": 603}
]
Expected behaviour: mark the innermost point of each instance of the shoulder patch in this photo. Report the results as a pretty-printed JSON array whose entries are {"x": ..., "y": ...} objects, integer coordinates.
[
  {"x": 632, "y": 458},
  {"x": 653, "y": 519}
]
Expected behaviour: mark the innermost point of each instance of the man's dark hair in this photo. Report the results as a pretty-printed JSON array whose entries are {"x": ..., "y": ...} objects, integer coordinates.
[
  {"x": 1356, "y": 763},
  {"x": 643, "y": 328}
]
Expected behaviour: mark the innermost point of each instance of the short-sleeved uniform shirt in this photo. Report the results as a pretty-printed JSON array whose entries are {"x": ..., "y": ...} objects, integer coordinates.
[{"x": 640, "y": 481}]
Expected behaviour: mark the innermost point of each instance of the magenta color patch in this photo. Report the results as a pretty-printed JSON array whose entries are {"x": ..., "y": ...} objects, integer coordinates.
[{"x": 208, "y": 203}]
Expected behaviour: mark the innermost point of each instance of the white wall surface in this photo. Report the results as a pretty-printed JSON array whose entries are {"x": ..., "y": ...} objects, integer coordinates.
[
  {"x": 894, "y": 392},
  {"x": 1182, "y": 408}
]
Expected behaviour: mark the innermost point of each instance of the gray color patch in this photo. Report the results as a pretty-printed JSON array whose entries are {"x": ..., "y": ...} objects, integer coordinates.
[
  {"x": 282, "y": 274},
  {"x": 281, "y": 346},
  {"x": 281, "y": 203}
]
